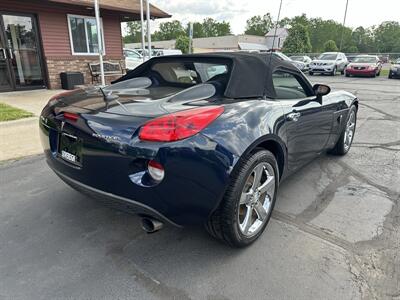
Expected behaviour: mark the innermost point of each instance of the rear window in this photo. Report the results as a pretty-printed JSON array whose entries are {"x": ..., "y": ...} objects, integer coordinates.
[{"x": 190, "y": 72}]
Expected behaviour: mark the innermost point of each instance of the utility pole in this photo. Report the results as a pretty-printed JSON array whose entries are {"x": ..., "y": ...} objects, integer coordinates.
[
  {"x": 142, "y": 28},
  {"x": 148, "y": 27},
  {"x": 190, "y": 37},
  {"x": 276, "y": 26},
  {"x": 344, "y": 22},
  {"x": 99, "y": 40}
]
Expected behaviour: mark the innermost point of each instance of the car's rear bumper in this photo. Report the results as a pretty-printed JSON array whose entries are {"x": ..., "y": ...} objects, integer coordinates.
[{"x": 115, "y": 201}]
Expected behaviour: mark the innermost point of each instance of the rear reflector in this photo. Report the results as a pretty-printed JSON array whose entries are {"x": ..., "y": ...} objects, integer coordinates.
[
  {"x": 70, "y": 116},
  {"x": 156, "y": 170},
  {"x": 179, "y": 125}
]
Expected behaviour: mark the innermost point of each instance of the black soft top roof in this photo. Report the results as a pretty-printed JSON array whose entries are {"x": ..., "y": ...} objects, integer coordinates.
[{"x": 251, "y": 73}]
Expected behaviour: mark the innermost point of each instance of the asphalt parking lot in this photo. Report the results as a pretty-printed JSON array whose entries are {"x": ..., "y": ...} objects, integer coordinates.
[{"x": 335, "y": 232}]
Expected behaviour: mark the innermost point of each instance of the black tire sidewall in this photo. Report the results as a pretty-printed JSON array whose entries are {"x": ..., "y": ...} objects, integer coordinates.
[
  {"x": 341, "y": 149},
  {"x": 239, "y": 239}
]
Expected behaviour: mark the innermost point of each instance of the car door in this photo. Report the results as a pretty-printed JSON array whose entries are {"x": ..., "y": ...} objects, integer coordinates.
[
  {"x": 308, "y": 122},
  {"x": 342, "y": 62}
]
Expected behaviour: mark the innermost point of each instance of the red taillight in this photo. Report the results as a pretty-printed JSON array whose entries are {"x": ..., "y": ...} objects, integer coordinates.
[
  {"x": 70, "y": 116},
  {"x": 179, "y": 125}
]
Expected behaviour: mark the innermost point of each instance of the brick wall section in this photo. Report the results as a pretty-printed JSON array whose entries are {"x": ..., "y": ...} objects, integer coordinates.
[
  {"x": 53, "y": 26},
  {"x": 56, "y": 66}
]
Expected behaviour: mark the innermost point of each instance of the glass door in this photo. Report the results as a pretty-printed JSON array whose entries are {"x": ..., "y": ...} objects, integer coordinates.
[
  {"x": 5, "y": 76},
  {"x": 22, "y": 43}
]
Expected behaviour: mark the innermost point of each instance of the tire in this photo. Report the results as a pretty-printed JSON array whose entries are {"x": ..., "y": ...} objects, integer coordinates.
[
  {"x": 225, "y": 223},
  {"x": 390, "y": 75},
  {"x": 333, "y": 73},
  {"x": 311, "y": 73},
  {"x": 379, "y": 73},
  {"x": 342, "y": 72},
  {"x": 342, "y": 146},
  {"x": 347, "y": 75}
]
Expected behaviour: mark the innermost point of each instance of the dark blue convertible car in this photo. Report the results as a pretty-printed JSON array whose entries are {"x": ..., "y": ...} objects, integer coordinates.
[{"x": 196, "y": 139}]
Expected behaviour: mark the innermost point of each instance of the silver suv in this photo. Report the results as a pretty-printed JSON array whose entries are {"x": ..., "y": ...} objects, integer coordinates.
[{"x": 329, "y": 63}]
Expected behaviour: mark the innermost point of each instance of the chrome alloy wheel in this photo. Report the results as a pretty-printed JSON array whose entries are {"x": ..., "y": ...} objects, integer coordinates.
[
  {"x": 349, "y": 131},
  {"x": 256, "y": 199}
]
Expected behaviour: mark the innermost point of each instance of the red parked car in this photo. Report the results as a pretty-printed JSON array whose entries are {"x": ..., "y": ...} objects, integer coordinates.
[{"x": 364, "y": 65}]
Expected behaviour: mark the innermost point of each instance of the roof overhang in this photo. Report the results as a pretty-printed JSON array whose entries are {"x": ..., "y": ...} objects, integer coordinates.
[{"x": 129, "y": 10}]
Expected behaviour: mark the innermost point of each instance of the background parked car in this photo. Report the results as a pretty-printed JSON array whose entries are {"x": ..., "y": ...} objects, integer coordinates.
[
  {"x": 351, "y": 57},
  {"x": 329, "y": 63},
  {"x": 163, "y": 52},
  {"x": 384, "y": 59},
  {"x": 298, "y": 64},
  {"x": 395, "y": 69},
  {"x": 304, "y": 59},
  {"x": 132, "y": 59},
  {"x": 364, "y": 65}
]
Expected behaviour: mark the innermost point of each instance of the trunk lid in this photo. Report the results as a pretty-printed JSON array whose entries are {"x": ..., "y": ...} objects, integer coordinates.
[{"x": 139, "y": 102}]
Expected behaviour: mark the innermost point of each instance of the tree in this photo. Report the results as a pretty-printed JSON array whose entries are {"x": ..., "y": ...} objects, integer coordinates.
[
  {"x": 213, "y": 28},
  {"x": 259, "y": 25},
  {"x": 352, "y": 49},
  {"x": 168, "y": 31},
  {"x": 182, "y": 43},
  {"x": 298, "y": 40},
  {"x": 387, "y": 37},
  {"x": 198, "y": 31},
  {"x": 209, "y": 28},
  {"x": 134, "y": 33},
  {"x": 330, "y": 46}
]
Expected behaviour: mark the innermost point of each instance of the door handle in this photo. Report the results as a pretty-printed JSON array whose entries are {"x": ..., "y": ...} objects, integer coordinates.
[{"x": 293, "y": 116}]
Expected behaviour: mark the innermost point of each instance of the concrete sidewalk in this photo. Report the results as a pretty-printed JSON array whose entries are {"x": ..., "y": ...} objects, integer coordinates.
[{"x": 21, "y": 137}]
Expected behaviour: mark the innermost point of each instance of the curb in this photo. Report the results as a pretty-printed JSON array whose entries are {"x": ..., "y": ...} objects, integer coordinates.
[{"x": 24, "y": 121}]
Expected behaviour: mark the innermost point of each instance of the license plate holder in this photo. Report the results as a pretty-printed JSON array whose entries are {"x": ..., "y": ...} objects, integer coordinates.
[{"x": 70, "y": 148}]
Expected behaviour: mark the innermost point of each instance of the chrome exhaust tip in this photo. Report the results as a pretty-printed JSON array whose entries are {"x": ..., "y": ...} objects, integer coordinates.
[{"x": 151, "y": 225}]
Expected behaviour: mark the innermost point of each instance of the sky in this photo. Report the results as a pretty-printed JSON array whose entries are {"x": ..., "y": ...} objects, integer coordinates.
[{"x": 360, "y": 12}]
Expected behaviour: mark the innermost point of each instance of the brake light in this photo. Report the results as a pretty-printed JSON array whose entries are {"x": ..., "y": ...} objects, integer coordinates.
[
  {"x": 70, "y": 116},
  {"x": 179, "y": 125}
]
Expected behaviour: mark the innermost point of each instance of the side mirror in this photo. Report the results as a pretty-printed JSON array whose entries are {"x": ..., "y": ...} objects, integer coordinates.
[{"x": 321, "y": 90}]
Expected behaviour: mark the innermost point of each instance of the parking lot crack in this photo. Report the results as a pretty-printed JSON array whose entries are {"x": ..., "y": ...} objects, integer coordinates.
[
  {"x": 392, "y": 195},
  {"x": 325, "y": 197},
  {"x": 313, "y": 230},
  {"x": 391, "y": 117}
]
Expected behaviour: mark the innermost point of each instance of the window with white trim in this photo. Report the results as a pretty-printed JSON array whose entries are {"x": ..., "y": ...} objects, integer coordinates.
[{"x": 83, "y": 35}]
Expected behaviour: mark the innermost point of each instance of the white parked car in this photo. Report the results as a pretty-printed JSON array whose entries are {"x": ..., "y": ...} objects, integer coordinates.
[
  {"x": 298, "y": 64},
  {"x": 329, "y": 63},
  {"x": 163, "y": 52},
  {"x": 303, "y": 59},
  {"x": 132, "y": 59}
]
